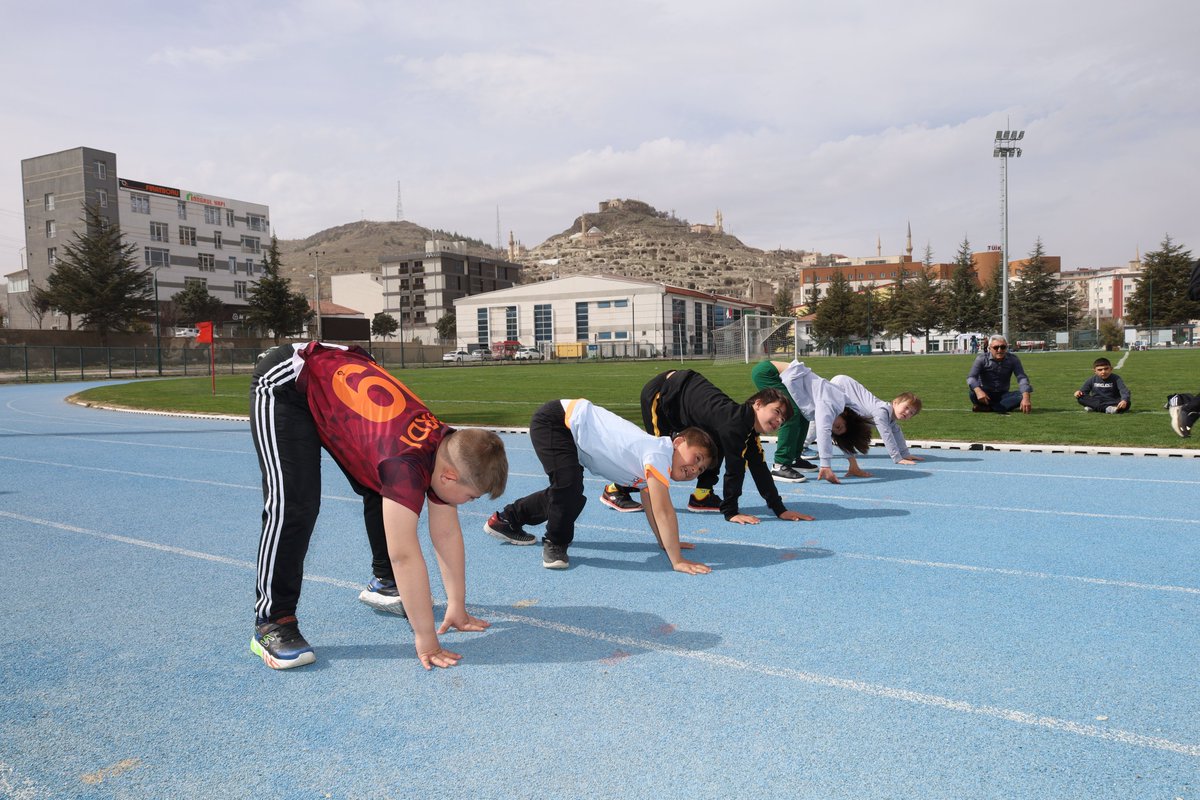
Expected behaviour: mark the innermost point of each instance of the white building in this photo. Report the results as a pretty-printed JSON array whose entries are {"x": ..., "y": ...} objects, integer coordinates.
[
  {"x": 598, "y": 315},
  {"x": 182, "y": 236}
]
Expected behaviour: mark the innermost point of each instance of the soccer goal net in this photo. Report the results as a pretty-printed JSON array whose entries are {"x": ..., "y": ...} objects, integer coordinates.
[{"x": 754, "y": 337}]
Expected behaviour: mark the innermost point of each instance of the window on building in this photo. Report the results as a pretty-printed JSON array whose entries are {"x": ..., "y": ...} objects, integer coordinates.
[
  {"x": 51, "y": 229},
  {"x": 229, "y": 217},
  {"x": 217, "y": 241},
  {"x": 159, "y": 232},
  {"x": 52, "y": 255},
  {"x": 233, "y": 264},
  {"x": 102, "y": 170},
  {"x": 482, "y": 328},
  {"x": 212, "y": 216},
  {"x": 249, "y": 266},
  {"x": 510, "y": 323},
  {"x": 202, "y": 282},
  {"x": 604, "y": 304},
  {"x": 139, "y": 203},
  {"x": 581, "y": 322},
  {"x": 543, "y": 323},
  {"x": 604, "y": 336},
  {"x": 620, "y": 303},
  {"x": 239, "y": 290},
  {"x": 187, "y": 236},
  {"x": 621, "y": 334},
  {"x": 250, "y": 244},
  {"x": 207, "y": 262},
  {"x": 157, "y": 256},
  {"x": 181, "y": 208},
  {"x": 48, "y": 202},
  {"x": 102, "y": 198},
  {"x": 256, "y": 222}
]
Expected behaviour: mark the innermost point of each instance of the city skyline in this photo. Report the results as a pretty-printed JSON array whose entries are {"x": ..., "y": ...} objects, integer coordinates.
[{"x": 820, "y": 129}]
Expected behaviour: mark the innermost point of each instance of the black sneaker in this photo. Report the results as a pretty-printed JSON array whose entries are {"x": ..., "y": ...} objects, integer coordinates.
[
  {"x": 554, "y": 556},
  {"x": 803, "y": 465},
  {"x": 505, "y": 531},
  {"x": 280, "y": 645},
  {"x": 382, "y": 595},
  {"x": 710, "y": 503},
  {"x": 617, "y": 498},
  {"x": 782, "y": 472}
]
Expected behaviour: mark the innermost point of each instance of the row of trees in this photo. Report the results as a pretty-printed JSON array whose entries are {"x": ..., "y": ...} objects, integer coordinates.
[
  {"x": 919, "y": 304},
  {"x": 99, "y": 284}
]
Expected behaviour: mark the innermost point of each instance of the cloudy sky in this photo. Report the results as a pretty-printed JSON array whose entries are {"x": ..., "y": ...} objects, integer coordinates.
[{"x": 811, "y": 124}]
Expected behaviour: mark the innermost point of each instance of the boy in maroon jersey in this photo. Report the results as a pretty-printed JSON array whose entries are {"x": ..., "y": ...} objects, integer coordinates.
[{"x": 396, "y": 456}]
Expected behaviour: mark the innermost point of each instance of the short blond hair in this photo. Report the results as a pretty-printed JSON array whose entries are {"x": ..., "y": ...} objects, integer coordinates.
[{"x": 479, "y": 458}]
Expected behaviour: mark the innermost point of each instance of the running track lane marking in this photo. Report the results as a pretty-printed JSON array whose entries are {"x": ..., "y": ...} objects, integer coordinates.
[{"x": 1056, "y": 724}]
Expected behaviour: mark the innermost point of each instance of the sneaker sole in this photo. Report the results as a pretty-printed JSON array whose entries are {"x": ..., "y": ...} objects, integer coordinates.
[
  {"x": 782, "y": 479},
  {"x": 696, "y": 510},
  {"x": 616, "y": 507},
  {"x": 271, "y": 661},
  {"x": 381, "y": 602},
  {"x": 495, "y": 534},
  {"x": 556, "y": 564}
]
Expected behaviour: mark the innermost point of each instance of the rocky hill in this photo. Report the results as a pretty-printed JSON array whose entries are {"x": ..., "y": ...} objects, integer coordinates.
[{"x": 622, "y": 237}]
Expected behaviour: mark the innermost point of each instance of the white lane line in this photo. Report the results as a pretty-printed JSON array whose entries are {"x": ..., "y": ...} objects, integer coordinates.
[
  {"x": 716, "y": 660},
  {"x": 1056, "y": 476},
  {"x": 101, "y": 438}
]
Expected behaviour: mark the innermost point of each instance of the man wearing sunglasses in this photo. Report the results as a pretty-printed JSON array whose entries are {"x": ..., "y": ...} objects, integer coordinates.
[{"x": 990, "y": 379}]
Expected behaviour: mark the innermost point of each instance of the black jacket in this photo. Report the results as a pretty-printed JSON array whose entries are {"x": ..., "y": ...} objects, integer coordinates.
[{"x": 683, "y": 398}]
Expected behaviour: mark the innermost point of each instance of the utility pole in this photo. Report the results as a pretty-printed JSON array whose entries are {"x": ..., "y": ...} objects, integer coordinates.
[{"x": 1005, "y": 148}]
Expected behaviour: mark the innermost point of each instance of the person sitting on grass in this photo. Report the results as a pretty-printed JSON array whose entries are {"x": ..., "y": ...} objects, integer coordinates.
[
  {"x": 829, "y": 409},
  {"x": 1104, "y": 390},
  {"x": 568, "y": 435},
  {"x": 684, "y": 398},
  {"x": 990, "y": 379},
  {"x": 396, "y": 455},
  {"x": 886, "y": 416}
]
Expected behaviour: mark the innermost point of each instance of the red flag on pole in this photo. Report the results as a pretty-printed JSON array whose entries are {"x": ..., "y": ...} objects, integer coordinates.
[{"x": 205, "y": 335}]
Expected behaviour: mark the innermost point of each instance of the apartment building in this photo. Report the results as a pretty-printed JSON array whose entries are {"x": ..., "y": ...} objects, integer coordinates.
[{"x": 182, "y": 236}]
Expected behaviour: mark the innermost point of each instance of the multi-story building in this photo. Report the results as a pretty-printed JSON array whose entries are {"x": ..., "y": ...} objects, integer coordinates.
[
  {"x": 420, "y": 288},
  {"x": 182, "y": 236}
]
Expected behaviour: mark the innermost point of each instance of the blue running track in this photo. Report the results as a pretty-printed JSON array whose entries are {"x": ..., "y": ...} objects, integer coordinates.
[{"x": 999, "y": 625}]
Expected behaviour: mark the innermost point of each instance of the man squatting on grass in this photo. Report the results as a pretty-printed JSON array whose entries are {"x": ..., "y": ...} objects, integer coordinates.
[
  {"x": 568, "y": 435},
  {"x": 990, "y": 379},
  {"x": 684, "y": 398},
  {"x": 886, "y": 416},
  {"x": 829, "y": 409},
  {"x": 396, "y": 456}
]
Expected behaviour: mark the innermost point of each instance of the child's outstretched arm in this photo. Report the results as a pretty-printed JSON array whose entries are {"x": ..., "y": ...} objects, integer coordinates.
[
  {"x": 656, "y": 498},
  {"x": 412, "y": 581},
  {"x": 446, "y": 534}
]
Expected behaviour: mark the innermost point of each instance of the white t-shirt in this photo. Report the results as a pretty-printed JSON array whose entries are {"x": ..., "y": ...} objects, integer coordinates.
[
  {"x": 616, "y": 449},
  {"x": 878, "y": 411},
  {"x": 819, "y": 401}
]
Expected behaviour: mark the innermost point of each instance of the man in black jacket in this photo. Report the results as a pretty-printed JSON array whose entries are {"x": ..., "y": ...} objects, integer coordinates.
[{"x": 684, "y": 398}]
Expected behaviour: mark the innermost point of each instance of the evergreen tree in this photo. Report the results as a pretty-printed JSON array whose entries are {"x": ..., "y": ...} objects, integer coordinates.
[
  {"x": 383, "y": 325},
  {"x": 273, "y": 306},
  {"x": 925, "y": 298},
  {"x": 1039, "y": 302},
  {"x": 835, "y": 314},
  {"x": 99, "y": 281},
  {"x": 195, "y": 304},
  {"x": 783, "y": 302},
  {"x": 963, "y": 301},
  {"x": 896, "y": 308},
  {"x": 1160, "y": 292}
]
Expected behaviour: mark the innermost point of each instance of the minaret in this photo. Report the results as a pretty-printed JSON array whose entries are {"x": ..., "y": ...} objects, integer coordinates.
[
  {"x": 720, "y": 222},
  {"x": 512, "y": 247},
  {"x": 908, "y": 249},
  {"x": 878, "y": 245}
]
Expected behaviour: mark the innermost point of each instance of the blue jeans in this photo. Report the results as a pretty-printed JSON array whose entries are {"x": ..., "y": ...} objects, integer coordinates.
[{"x": 999, "y": 401}]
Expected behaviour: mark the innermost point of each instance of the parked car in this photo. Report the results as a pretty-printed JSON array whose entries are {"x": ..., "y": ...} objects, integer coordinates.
[
  {"x": 528, "y": 354},
  {"x": 460, "y": 356}
]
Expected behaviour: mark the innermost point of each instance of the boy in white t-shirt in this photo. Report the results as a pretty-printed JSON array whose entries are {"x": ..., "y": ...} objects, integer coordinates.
[{"x": 569, "y": 435}]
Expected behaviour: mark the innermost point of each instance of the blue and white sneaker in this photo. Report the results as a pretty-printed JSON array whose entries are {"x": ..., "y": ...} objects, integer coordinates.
[
  {"x": 280, "y": 644},
  {"x": 382, "y": 595}
]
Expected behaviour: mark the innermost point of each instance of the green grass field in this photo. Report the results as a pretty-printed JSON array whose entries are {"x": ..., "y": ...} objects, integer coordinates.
[{"x": 507, "y": 394}]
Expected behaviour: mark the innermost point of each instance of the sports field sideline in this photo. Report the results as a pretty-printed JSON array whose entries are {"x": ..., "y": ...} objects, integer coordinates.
[{"x": 984, "y": 624}]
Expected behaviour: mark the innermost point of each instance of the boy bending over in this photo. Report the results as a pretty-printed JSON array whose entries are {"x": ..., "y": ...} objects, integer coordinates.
[
  {"x": 569, "y": 435},
  {"x": 396, "y": 455}
]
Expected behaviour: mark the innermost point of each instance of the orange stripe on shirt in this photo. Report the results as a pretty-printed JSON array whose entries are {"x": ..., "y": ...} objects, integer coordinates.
[
  {"x": 651, "y": 472},
  {"x": 567, "y": 413}
]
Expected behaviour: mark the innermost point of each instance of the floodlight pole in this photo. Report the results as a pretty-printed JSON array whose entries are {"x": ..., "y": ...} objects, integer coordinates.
[
  {"x": 157, "y": 323},
  {"x": 1004, "y": 148},
  {"x": 316, "y": 254}
]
